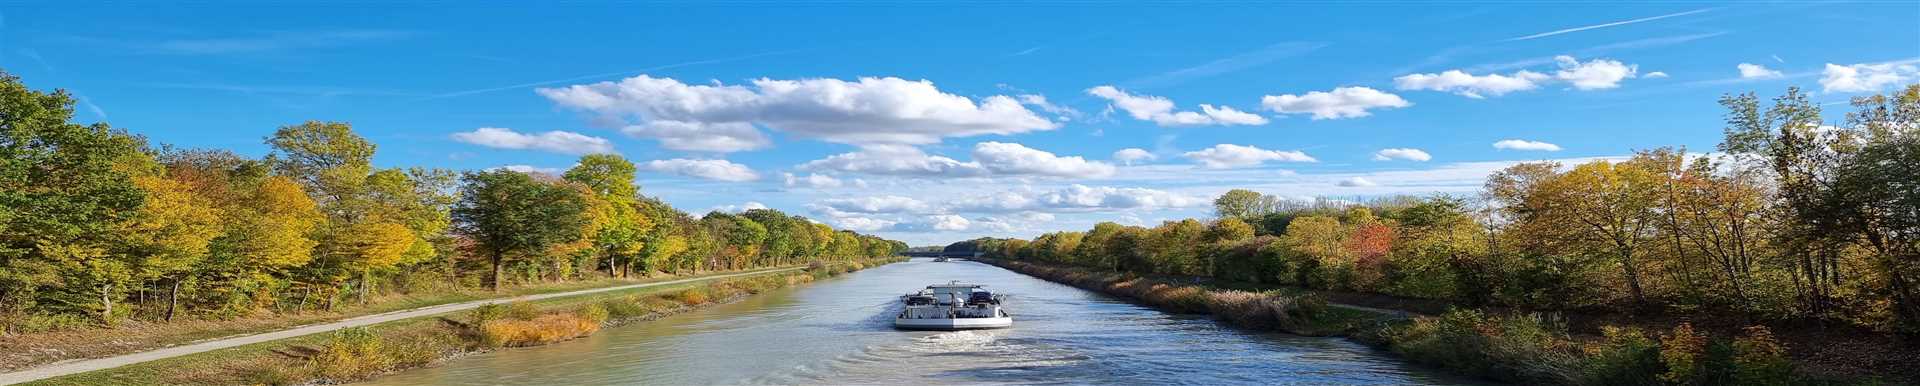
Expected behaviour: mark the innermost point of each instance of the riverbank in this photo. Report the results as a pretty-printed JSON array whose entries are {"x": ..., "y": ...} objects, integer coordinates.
[
  {"x": 1519, "y": 348},
  {"x": 363, "y": 352},
  {"x": 30, "y": 350}
]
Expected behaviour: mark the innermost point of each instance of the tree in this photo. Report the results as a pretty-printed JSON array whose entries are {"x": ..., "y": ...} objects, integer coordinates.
[
  {"x": 1243, "y": 203},
  {"x": 611, "y": 177},
  {"x": 62, "y": 196},
  {"x": 1608, "y": 206},
  {"x": 510, "y": 215},
  {"x": 169, "y": 235}
]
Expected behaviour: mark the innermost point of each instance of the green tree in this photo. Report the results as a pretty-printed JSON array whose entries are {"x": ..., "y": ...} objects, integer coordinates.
[
  {"x": 511, "y": 215},
  {"x": 1243, "y": 203}
]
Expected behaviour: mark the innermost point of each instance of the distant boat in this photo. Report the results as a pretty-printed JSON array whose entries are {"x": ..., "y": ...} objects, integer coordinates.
[
  {"x": 952, "y": 306},
  {"x": 941, "y": 259}
]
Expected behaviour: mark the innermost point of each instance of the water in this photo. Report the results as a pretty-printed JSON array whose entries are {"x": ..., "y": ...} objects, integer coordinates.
[{"x": 838, "y": 331}]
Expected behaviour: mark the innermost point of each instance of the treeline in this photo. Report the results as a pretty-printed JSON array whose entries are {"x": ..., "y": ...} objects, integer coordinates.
[
  {"x": 96, "y": 225},
  {"x": 1793, "y": 218}
]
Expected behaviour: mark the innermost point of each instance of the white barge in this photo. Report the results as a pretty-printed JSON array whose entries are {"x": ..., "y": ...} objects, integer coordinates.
[{"x": 952, "y": 306}]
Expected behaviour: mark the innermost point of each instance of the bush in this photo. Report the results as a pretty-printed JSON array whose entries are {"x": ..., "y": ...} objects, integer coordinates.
[
  {"x": 691, "y": 296},
  {"x": 1683, "y": 352},
  {"x": 1514, "y": 348},
  {"x": 626, "y": 307},
  {"x": 540, "y": 330},
  {"x": 1760, "y": 359},
  {"x": 594, "y": 313},
  {"x": 1624, "y": 357},
  {"x": 349, "y": 354},
  {"x": 45, "y": 323}
]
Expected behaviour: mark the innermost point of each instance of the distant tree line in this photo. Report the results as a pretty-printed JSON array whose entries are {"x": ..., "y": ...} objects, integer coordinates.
[
  {"x": 1792, "y": 218},
  {"x": 96, "y": 225}
]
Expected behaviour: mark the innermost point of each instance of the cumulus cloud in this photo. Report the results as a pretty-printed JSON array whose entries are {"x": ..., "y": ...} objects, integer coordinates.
[
  {"x": 749, "y": 205},
  {"x": 989, "y": 159},
  {"x": 1521, "y": 144},
  {"x": 861, "y": 223},
  {"x": 1227, "y": 155},
  {"x": 1342, "y": 102},
  {"x": 1355, "y": 182},
  {"x": 1867, "y": 77},
  {"x": 1409, "y": 154},
  {"x": 1074, "y": 198},
  {"x": 530, "y": 169},
  {"x": 712, "y": 169},
  {"x": 872, "y": 205},
  {"x": 564, "y": 142},
  {"x": 725, "y": 137},
  {"x": 816, "y": 181},
  {"x": 1009, "y": 159},
  {"x": 1472, "y": 86},
  {"x": 1596, "y": 74},
  {"x": 1160, "y": 110},
  {"x": 1062, "y": 113},
  {"x": 1132, "y": 155},
  {"x": 869, "y": 110},
  {"x": 1755, "y": 71}
]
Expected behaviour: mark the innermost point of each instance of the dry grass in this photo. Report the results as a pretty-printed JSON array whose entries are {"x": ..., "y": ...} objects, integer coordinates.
[{"x": 540, "y": 330}]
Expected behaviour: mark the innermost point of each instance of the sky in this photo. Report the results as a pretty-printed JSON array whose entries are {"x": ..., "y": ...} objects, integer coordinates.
[{"x": 934, "y": 123}]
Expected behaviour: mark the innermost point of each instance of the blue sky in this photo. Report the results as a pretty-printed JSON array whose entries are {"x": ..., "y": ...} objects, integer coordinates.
[{"x": 933, "y": 123}]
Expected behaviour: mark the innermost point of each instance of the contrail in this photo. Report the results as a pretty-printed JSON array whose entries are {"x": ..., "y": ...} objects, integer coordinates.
[
  {"x": 603, "y": 75},
  {"x": 1617, "y": 23}
]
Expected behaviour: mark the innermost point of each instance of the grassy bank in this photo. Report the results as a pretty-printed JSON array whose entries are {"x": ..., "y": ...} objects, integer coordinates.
[
  {"x": 83, "y": 341},
  {"x": 359, "y": 353},
  {"x": 1509, "y": 347}
]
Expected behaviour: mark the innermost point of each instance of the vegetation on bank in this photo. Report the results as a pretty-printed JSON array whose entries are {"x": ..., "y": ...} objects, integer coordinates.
[
  {"x": 1801, "y": 236},
  {"x": 101, "y": 229},
  {"x": 361, "y": 353}
]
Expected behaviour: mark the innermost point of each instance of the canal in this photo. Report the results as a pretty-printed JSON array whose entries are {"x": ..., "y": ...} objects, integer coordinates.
[{"x": 838, "y": 331}]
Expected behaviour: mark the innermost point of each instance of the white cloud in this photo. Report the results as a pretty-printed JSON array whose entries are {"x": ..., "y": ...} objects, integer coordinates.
[
  {"x": 1521, "y": 144},
  {"x": 989, "y": 159},
  {"x": 1133, "y": 154},
  {"x": 1342, "y": 102},
  {"x": 895, "y": 160},
  {"x": 1755, "y": 71},
  {"x": 725, "y": 137},
  {"x": 816, "y": 181},
  {"x": 1015, "y": 159},
  {"x": 749, "y": 205},
  {"x": 1409, "y": 154},
  {"x": 1062, "y": 113},
  {"x": 1867, "y": 77},
  {"x": 1472, "y": 86},
  {"x": 530, "y": 169},
  {"x": 1655, "y": 75},
  {"x": 712, "y": 169},
  {"x": 861, "y": 224},
  {"x": 1356, "y": 182},
  {"x": 1073, "y": 198},
  {"x": 1226, "y": 155},
  {"x": 872, "y": 205},
  {"x": 564, "y": 142},
  {"x": 948, "y": 222},
  {"x": 1596, "y": 74},
  {"x": 870, "y": 110},
  {"x": 1160, "y": 110}
]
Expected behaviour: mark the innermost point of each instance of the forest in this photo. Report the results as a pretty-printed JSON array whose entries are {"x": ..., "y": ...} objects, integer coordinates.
[
  {"x": 1790, "y": 219},
  {"x": 99, "y": 226}
]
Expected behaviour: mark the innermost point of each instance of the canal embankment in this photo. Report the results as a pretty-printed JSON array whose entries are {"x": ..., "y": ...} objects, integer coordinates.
[{"x": 359, "y": 353}]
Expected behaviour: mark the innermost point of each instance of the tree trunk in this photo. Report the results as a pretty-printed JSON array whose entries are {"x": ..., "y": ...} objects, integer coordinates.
[
  {"x": 173, "y": 299},
  {"x": 496, "y": 271},
  {"x": 106, "y": 303}
]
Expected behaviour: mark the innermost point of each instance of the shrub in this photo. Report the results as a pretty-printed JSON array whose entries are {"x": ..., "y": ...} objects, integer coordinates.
[
  {"x": 626, "y": 307},
  {"x": 1180, "y": 299},
  {"x": 349, "y": 354},
  {"x": 1759, "y": 359},
  {"x": 691, "y": 296},
  {"x": 1624, "y": 357},
  {"x": 594, "y": 313},
  {"x": 1516, "y": 348},
  {"x": 540, "y": 330},
  {"x": 1683, "y": 352},
  {"x": 487, "y": 313}
]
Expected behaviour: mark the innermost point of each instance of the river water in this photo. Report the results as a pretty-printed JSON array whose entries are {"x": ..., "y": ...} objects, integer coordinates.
[{"x": 839, "y": 331}]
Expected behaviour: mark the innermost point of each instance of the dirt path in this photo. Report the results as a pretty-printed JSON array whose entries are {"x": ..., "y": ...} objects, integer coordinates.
[{"x": 85, "y": 365}]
